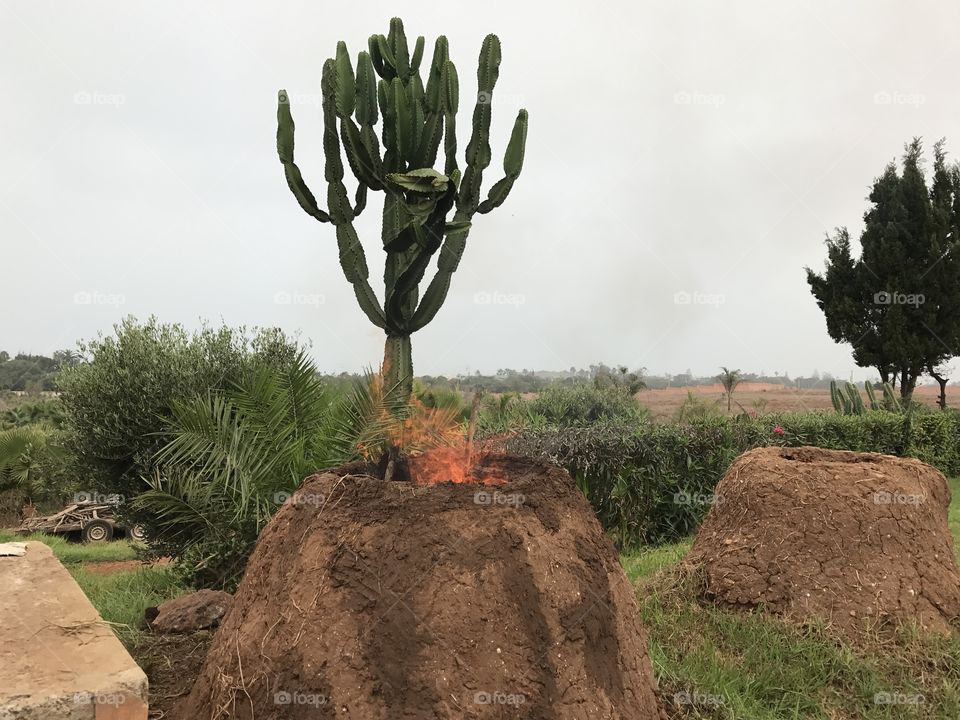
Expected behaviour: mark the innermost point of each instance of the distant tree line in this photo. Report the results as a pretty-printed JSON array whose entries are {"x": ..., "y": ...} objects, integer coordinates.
[{"x": 25, "y": 372}]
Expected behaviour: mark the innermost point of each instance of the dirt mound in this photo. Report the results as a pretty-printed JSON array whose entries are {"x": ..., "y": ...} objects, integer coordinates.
[
  {"x": 368, "y": 599},
  {"x": 858, "y": 539}
]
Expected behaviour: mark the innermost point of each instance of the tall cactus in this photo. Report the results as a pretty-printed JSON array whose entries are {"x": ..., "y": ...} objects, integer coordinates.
[
  {"x": 417, "y": 198},
  {"x": 847, "y": 400}
]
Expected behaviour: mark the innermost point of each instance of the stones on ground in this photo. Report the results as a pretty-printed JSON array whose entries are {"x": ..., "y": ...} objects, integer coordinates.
[{"x": 188, "y": 613}]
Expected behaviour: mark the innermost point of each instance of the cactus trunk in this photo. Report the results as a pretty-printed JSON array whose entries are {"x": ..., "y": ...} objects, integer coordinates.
[{"x": 398, "y": 365}]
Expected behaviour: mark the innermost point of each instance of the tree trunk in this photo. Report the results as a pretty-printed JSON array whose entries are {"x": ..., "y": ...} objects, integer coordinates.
[
  {"x": 908, "y": 381},
  {"x": 397, "y": 367},
  {"x": 942, "y": 382}
]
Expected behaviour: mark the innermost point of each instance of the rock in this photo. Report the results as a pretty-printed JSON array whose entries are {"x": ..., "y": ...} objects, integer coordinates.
[{"x": 197, "y": 611}]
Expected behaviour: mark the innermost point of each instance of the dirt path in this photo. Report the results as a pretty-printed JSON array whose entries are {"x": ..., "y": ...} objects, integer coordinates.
[{"x": 110, "y": 567}]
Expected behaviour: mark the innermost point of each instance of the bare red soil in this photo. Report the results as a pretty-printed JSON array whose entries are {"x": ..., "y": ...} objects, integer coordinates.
[{"x": 758, "y": 397}]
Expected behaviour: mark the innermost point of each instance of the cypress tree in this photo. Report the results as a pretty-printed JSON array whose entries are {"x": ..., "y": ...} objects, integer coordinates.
[{"x": 898, "y": 304}]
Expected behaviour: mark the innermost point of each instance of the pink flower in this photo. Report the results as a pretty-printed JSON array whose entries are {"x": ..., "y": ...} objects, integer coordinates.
[{"x": 779, "y": 430}]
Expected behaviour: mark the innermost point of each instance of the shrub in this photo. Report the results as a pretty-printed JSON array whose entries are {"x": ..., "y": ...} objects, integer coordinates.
[
  {"x": 654, "y": 483},
  {"x": 506, "y": 412},
  {"x": 439, "y": 397},
  {"x": 119, "y": 397},
  {"x": 586, "y": 404}
]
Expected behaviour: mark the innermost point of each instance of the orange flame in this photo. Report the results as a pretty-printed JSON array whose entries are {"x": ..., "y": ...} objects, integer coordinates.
[
  {"x": 432, "y": 441},
  {"x": 450, "y": 464}
]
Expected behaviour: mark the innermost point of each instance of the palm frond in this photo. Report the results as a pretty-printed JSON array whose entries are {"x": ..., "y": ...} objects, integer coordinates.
[{"x": 365, "y": 421}]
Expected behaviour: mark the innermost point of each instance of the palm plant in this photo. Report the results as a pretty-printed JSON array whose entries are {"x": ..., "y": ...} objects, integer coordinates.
[
  {"x": 729, "y": 379},
  {"x": 24, "y": 452},
  {"x": 235, "y": 456}
]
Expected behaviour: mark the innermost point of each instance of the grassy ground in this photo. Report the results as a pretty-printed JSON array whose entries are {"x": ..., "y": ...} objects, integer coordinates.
[
  {"x": 120, "y": 597},
  {"x": 723, "y": 665},
  {"x": 69, "y": 551}
]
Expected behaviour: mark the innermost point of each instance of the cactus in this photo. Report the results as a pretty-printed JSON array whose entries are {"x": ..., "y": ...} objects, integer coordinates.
[
  {"x": 890, "y": 400},
  {"x": 418, "y": 199},
  {"x": 841, "y": 403},
  {"x": 847, "y": 400},
  {"x": 856, "y": 402}
]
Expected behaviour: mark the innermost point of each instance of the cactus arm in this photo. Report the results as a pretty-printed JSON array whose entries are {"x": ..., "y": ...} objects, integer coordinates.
[
  {"x": 432, "y": 102},
  {"x": 404, "y": 117},
  {"x": 352, "y": 259},
  {"x": 856, "y": 402},
  {"x": 430, "y": 137},
  {"x": 364, "y": 160},
  {"x": 835, "y": 397},
  {"x": 285, "y": 134},
  {"x": 451, "y": 100},
  {"x": 447, "y": 262},
  {"x": 345, "y": 82},
  {"x": 890, "y": 399},
  {"x": 415, "y": 103},
  {"x": 434, "y": 93},
  {"x": 386, "y": 56},
  {"x": 373, "y": 48},
  {"x": 512, "y": 165},
  {"x": 871, "y": 395},
  {"x": 478, "y": 149},
  {"x": 432, "y": 300},
  {"x": 360, "y": 200},
  {"x": 401, "y": 298},
  {"x": 366, "y": 91},
  {"x": 397, "y": 40},
  {"x": 417, "y": 54}
]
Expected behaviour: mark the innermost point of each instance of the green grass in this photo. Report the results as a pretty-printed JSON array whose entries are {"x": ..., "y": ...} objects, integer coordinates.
[
  {"x": 648, "y": 561},
  {"x": 69, "y": 551},
  {"x": 753, "y": 667},
  {"x": 121, "y": 597}
]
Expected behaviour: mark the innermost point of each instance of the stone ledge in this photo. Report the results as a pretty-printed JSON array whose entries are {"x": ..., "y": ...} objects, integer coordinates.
[{"x": 58, "y": 659}]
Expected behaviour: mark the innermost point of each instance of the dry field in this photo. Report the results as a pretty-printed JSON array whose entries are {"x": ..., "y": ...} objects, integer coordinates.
[{"x": 759, "y": 397}]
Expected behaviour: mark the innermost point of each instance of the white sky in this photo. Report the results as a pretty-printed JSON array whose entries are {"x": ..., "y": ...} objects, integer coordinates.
[{"x": 696, "y": 147}]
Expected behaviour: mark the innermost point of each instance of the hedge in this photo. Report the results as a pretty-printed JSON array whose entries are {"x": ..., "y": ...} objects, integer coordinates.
[{"x": 654, "y": 483}]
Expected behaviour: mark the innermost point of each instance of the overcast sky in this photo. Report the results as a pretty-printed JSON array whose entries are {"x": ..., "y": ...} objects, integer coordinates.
[{"x": 684, "y": 162}]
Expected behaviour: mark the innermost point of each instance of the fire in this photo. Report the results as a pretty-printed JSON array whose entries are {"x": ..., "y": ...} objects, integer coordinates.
[
  {"x": 451, "y": 464},
  {"x": 423, "y": 445}
]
